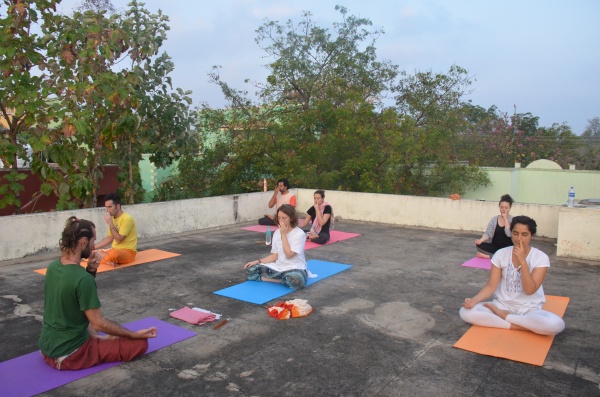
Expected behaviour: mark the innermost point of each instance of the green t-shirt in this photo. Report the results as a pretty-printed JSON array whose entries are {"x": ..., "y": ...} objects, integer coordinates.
[{"x": 69, "y": 291}]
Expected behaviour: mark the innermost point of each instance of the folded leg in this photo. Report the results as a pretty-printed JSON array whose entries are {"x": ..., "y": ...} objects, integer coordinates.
[{"x": 482, "y": 316}]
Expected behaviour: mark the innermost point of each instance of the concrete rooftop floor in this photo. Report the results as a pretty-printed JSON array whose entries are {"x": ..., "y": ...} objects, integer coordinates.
[{"x": 385, "y": 327}]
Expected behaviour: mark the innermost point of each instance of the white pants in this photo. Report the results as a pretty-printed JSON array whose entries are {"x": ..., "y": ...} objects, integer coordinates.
[{"x": 538, "y": 320}]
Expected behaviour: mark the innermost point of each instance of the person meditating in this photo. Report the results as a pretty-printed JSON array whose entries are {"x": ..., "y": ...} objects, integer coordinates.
[
  {"x": 516, "y": 285},
  {"x": 122, "y": 234},
  {"x": 286, "y": 264},
  {"x": 281, "y": 195},
  {"x": 497, "y": 232},
  {"x": 321, "y": 215},
  {"x": 72, "y": 316}
]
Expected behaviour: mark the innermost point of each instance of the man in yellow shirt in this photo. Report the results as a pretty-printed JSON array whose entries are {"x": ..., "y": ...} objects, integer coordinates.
[{"x": 122, "y": 233}]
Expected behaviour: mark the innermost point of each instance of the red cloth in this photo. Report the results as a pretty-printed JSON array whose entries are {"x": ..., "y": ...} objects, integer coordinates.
[
  {"x": 193, "y": 316},
  {"x": 279, "y": 311},
  {"x": 287, "y": 309}
]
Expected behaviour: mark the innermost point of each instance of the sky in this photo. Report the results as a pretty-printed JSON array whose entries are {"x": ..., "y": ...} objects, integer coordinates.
[{"x": 542, "y": 56}]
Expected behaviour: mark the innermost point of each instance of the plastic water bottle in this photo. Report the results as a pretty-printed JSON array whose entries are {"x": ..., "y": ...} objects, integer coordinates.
[
  {"x": 268, "y": 236},
  {"x": 571, "y": 200}
]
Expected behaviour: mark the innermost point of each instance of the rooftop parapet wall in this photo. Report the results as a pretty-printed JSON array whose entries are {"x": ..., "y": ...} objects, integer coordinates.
[
  {"x": 579, "y": 233},
  {"x": 29, "y": 234},
  {"x": 432, "y": 212},
  {"x": 23, "y": 235}
]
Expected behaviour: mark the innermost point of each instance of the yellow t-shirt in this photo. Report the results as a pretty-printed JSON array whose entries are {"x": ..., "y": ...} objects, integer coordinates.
[{"x": 126, "y": 227}]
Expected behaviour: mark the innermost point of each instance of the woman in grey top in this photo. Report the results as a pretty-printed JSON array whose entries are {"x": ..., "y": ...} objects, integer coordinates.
[{"x": 497, "y": 235}]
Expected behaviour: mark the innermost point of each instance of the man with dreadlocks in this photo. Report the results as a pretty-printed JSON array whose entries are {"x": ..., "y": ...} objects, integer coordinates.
[{"x": 72, "y": 317}]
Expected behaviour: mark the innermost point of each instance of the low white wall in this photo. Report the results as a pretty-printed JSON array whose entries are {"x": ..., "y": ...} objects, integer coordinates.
[
  {"x": 433, "y": 212},
  {"x": 579, "y": 233},
  {"x": 28, "y": 234},
  {"x": 577, "y": 230}
]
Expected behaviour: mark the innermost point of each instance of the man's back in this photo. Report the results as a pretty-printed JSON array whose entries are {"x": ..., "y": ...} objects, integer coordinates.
[{"x": 68, "y": 291}]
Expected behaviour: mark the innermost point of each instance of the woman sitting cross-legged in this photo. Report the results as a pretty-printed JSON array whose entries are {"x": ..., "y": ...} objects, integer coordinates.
[
  {"x": 497, "y": 234},
  {"x": 516, "y": 285},
  {"x": 286, "y": 264},
  {"x": 321, "y": 215}
]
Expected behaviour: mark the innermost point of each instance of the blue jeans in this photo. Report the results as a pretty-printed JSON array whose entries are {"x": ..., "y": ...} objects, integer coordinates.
[{"x": 294, "y": 279}]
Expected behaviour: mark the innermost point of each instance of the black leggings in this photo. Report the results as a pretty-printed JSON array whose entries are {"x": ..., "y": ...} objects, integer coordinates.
[
  {"x": 266, "y": 221},
  {"x": 322, "y": 239},
  {"x": 489, "y": 248}
]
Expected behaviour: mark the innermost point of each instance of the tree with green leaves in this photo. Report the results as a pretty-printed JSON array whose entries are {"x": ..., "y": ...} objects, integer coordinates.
[
  {"x": 319, "y": 119},
  {"x": 434, "y": 114},
  {"x": 317, "y": 78},
  {"x": 592, "y": 130},
  {"x": 495, "y": 139},
  {"x": 162, "y": 123},
  {"x": 588, "y": 154},
  {"x": 105, "y": 89},
  {"x": 24, "y": 100},
  {"x": 97, "y": 6},
  {"x": 311, "y": 63}
]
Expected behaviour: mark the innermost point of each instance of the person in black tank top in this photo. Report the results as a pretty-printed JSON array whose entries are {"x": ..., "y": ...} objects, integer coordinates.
[
  {"x": 321, "y": 215},
  {"x": 497, "y": 234}
]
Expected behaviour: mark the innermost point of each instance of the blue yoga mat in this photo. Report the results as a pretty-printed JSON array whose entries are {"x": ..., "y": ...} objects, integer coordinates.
[
  {"x": 260, "y": 292},
  {"x": 29, "y": 375}
]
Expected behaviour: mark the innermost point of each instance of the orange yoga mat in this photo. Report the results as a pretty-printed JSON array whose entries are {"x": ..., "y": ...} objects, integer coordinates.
[
  {"x": 151, "y": 255},
  {"x": 523, "y": 346}
]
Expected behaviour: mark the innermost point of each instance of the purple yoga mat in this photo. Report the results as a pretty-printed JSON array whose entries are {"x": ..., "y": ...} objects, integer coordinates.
[
  {"x": 29, "y": 375},
  {"x": 480, "y": 263}
]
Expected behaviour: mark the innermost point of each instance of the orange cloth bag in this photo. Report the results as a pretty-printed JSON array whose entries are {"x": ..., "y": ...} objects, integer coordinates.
[{"x": 292, "y": 308}]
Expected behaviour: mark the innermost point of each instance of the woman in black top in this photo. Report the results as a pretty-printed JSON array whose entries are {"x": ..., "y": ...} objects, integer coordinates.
[
  {"x": 321, "y": 215},
  {"x": 497, "y": 234}
]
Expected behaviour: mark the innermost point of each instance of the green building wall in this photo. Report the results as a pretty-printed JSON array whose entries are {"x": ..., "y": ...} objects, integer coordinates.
[
  {"x": 152, "y": 176},
  {"x": 539, "y": 186},
  {"x": 525, "y": 185}
]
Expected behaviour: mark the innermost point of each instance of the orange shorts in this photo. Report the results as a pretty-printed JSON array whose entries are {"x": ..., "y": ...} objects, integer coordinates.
[{"x": 119, "y": 256}]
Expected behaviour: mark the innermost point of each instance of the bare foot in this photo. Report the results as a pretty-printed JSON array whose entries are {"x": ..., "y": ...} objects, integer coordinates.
[
  {"x": 113, "y": 264},
  {"x": 498, "y": 312},
  {"x": 502, "y": 314},
  {"x": 480, "y": 255}
]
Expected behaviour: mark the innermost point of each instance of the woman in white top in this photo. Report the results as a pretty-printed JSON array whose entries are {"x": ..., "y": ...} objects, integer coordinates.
[
  {"x": 286, "y": 264},
  {"x": 516, "y": 285}
]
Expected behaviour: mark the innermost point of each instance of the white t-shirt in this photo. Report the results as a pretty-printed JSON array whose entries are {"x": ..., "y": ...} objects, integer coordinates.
[
  {"x": 297, "y": 239},
  {"x": 510, "y": 290}
]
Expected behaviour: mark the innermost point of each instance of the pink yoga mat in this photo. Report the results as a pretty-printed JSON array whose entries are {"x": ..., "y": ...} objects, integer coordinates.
[
  {"x": 335, "y": 235},
  {"x": 259, "y": 228},
  {"x": 480, "y": 263}
]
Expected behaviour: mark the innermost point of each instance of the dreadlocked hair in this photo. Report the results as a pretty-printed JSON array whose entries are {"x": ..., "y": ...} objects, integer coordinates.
[{"x": 75, "y": 229}]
